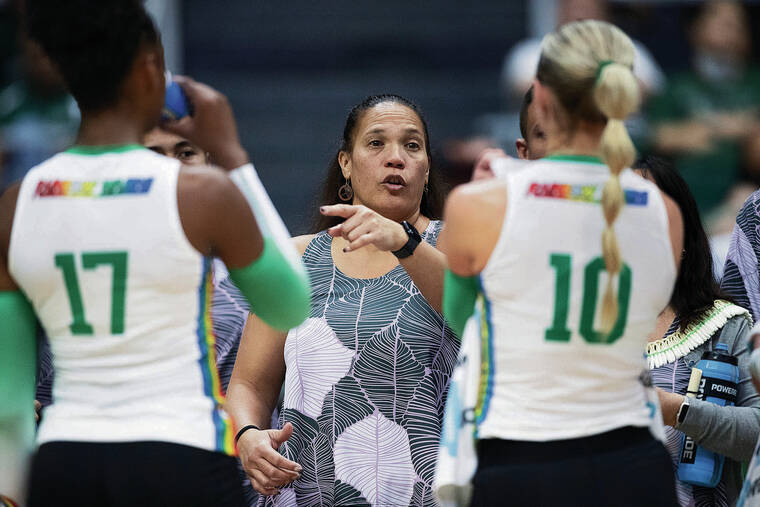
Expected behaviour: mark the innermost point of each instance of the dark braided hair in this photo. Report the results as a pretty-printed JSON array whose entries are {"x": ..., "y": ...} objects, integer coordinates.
[
  {"x": 432, "y": 200},
  {"x": 93, "y": 43}
]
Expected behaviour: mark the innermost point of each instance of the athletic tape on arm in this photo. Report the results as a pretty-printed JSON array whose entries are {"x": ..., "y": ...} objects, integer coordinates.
[
  {"x": 270, "y": 223},
  {"x": 459, "y": 295},
  {"x": 277, "y": 294},
  {"x": 275, "y": 284}
]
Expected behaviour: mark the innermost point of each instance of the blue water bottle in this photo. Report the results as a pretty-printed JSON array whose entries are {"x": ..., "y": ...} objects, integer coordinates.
[
  {"x": 720, "y": 376},
  {"x": 176, "y": 105}
]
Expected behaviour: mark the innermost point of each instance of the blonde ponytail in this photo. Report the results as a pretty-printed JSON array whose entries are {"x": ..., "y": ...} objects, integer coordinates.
[
  {"x": 588, "y": 64},
  {"x": 616, "y": 94}
]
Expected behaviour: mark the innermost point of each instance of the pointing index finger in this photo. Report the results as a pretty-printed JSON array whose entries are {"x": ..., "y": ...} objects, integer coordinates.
[{"x": 339, "y": 210}]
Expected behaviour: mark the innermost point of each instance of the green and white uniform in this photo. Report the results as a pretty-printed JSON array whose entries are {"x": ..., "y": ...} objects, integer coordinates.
[
  {"x": 548, "y": 373},
  {"x": 98, "y": 248}
]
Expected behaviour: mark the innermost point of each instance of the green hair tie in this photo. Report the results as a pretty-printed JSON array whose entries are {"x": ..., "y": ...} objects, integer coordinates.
[{"x": 601, "y": 67}]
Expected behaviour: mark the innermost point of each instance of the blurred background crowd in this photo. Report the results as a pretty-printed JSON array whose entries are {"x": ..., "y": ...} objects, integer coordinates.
[{"x": 291, "y": 70}]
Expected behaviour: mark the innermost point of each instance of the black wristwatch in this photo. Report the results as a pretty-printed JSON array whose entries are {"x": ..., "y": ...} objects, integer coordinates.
[
  {"x": 683, "y": 410},
  {"x": 411, "y": 244}
]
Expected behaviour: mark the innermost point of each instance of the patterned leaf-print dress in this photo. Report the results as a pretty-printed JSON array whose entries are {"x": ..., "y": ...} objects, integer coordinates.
[{"x": 365, "y": 388}]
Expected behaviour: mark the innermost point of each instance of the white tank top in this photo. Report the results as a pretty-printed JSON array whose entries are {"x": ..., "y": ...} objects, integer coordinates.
[
  {"x": 98, "y": 248},
  {"x": 547, "y": 373}
]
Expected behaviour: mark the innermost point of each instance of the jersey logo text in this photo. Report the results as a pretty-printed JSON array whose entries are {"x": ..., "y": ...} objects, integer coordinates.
[
  {"x": 109, "y": 188},
  {"x": 584, "y": 193}
]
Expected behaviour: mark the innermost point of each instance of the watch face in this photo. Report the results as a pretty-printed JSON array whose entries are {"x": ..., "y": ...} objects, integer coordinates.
[
  {"x": 682, "y": 410},
  {"x": 411, "y": 231},
  {"x": 412, "y": 242}
]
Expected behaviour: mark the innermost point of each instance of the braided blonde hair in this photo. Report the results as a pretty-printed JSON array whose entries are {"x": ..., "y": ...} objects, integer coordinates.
[{"x": 588, "y": 65}]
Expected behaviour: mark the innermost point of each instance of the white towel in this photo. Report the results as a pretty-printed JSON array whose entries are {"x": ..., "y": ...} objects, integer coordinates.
[{"x": 457, "y": 458}]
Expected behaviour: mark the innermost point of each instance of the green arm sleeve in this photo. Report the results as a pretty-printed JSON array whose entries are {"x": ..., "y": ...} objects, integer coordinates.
[
  {"x": 459, "y": 295},
  {"x": 18, "y": 355},
  {"x": 277, "y": 293}
]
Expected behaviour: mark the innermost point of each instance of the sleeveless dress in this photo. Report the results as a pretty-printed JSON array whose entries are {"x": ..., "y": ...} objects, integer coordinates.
[{"x": 365, "y": 388}]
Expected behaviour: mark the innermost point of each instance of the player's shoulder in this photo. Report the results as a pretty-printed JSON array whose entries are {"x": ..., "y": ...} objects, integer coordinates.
[
  {"x": 477, "y": 197},
  {"x": 206, "y": 182},
  {"x": 507, "y": 166},
  {"x": 478, "y": 189},
  {"x": 205, "y": 195}
]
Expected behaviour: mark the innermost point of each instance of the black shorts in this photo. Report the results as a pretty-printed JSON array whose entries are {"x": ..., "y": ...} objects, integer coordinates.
[
  {"x": 132, "y": 473},
  {"x": 624, "y": 467}
]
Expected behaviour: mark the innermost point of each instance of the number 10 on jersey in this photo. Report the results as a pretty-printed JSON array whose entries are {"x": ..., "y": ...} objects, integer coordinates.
[
  {"x": 559, "y": 332},
  {"x": 66, "y": 262}
]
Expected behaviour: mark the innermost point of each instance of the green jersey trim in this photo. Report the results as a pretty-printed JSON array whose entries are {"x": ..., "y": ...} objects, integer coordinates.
[
  {"x": 100, "y": 150},
  {"x": 586, "y": 159}
]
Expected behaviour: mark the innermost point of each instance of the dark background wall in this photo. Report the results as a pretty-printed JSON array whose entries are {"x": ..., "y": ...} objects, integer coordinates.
[{"x": 292, "y": 70}]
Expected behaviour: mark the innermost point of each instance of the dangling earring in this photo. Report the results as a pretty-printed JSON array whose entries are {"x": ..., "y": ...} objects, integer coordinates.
[
  {"x": 345, "y": 192},
  {"x": 425, "y": 189}
]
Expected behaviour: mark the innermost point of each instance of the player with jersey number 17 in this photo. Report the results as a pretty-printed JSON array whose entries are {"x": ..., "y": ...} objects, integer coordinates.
[
  {"x": 111, "y": 244},
  {"x": 573, "y": 257}
]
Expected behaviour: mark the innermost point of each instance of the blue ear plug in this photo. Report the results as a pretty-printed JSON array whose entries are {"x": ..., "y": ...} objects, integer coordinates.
[{"x": 176, "y": 105}]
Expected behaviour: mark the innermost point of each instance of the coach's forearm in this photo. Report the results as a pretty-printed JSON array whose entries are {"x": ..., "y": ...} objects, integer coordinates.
[
  {"x": 247, "y": 405},
  {"x": 426, "y": 267},
  {"x": 258, "y": 374}
]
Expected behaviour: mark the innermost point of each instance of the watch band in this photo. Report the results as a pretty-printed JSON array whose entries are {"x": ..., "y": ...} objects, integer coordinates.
[
  {"x": 414, "y": 240},
  {"x": 683, "y": 410}
]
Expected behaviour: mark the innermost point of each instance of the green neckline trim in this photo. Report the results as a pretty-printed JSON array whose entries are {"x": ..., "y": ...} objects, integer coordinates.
[
  {"x": 100, "y": 150},
  {"x": 587, "y": 159}
]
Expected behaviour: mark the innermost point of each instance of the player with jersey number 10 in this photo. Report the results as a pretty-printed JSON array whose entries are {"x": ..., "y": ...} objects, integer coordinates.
[
  {"x": 112, "y": 245},
  {"x": 572, "y": 257}
]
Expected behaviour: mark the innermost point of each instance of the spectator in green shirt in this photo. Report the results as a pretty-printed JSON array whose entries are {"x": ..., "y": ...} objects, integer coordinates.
[{"x": 707, "y": 115}]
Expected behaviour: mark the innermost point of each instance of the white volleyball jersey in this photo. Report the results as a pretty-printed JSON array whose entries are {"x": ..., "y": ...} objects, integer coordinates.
[
  {"x": 548, "y": 373},
  {"x": 98, "y": 248}
]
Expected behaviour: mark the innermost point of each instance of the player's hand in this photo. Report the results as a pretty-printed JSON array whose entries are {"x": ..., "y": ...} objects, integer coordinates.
[
  {"x": 482, "y": 169},
  {"x": 212, "y": 126},
  {"x": 364, "y": 227},
  {"x": 268, "y": 469}
]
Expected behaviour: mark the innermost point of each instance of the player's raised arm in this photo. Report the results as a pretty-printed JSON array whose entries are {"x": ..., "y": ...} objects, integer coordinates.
[{"x": 230, "y": 215}]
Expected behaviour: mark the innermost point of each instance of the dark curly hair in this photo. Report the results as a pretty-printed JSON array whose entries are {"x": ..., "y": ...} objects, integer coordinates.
[
  {"x": 432, "y": 200},
  {"x": 92, "y": 43}
]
